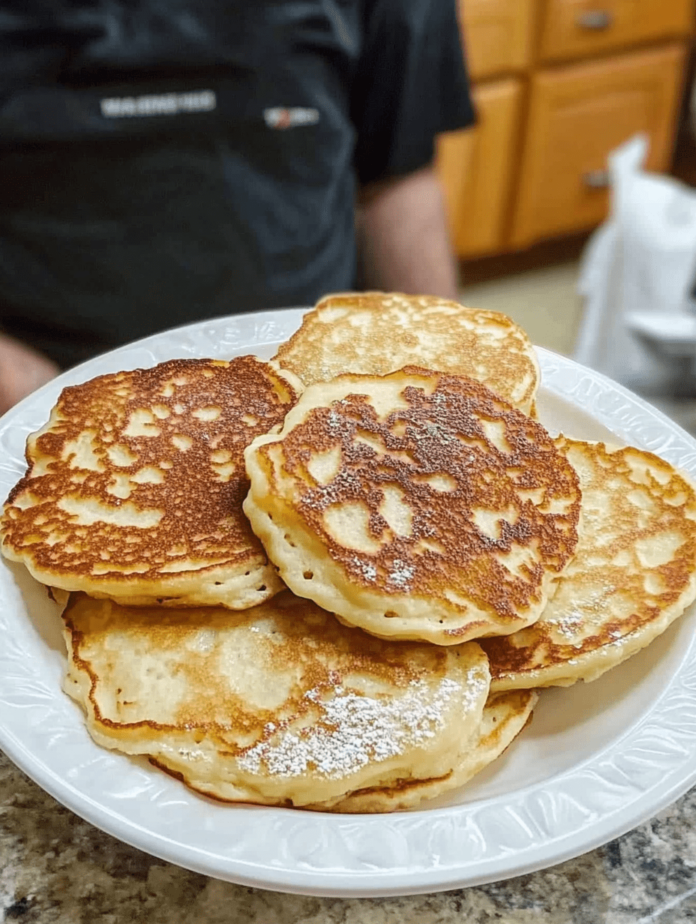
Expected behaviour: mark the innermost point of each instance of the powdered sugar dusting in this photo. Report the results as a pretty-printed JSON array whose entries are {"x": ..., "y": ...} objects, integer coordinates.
[
  {"x": 401, "y": 574},
  {"x": 368, "y": 570},
  {"x": 568, "y": 624},
  {"x": 336, "y": 425},
  {"x": 353, "y": 730}
]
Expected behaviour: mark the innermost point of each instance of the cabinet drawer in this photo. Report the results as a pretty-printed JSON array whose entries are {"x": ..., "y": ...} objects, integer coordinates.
[
  {"x": 497, "y": 35},
  {"x": 575, "y": 28},
  {"x": 476, "y": 169},
  {"x": 577, "y": 116}
]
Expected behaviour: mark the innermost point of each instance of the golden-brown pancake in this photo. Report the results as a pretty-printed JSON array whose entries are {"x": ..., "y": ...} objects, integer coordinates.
[
  {"x": 416, "y": 505},
  {"x": 278, "y": 704},
  {"x": 134, "y": 486},
  {"x": 633, "y": 573},
  {"x": 379, "y": 332},
  {"x": 504, "y": 717}
]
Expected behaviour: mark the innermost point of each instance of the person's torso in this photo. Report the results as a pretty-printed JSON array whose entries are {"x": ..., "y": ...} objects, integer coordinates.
[{"x": 164, "y": 163}]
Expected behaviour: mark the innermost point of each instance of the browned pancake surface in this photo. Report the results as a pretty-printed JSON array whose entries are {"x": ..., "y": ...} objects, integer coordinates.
[
  {"x": 139, "y": 476},
  {"x": 376, "y": 333},
  {"x": 460, "y": 498},
  {"x": 633, "y": 573}
]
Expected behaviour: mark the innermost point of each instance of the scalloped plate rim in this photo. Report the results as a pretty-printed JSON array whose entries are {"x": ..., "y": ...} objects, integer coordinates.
[{"x": 296, "y": 876}]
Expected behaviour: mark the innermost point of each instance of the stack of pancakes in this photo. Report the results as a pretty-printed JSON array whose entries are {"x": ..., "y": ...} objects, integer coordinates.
[{"x": 337, "y": 580}]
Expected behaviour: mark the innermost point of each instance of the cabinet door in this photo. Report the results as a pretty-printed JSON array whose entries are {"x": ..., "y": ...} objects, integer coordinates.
[
  {"x": 577, "y": 116},
  {"x": 575, "y": 28},
  {"x": 497, "y": 35},
  {"x": 475, "y": 167}
]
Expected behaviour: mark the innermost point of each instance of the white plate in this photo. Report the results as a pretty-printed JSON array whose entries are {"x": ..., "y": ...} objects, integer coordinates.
[{"x": 596, "y": 761}]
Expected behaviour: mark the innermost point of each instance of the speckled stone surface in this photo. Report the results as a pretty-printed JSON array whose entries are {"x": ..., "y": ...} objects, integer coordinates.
[{"x": 54, "y": 867}]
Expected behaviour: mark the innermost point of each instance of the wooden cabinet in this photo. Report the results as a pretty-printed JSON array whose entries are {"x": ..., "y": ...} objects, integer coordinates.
[
  {"x": 577, "y": 116},
  {"x": 558, "y": 85},
  {"x": 498, "y": 35},
  {"x": 580, "y": 28},
  {"x": 476, "y": 168}
]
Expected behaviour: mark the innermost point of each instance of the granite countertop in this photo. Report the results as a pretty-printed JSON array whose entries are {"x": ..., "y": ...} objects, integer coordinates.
[{"x": 54, "y": 867}]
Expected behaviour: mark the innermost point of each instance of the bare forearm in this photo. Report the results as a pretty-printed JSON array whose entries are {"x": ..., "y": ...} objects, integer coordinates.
[
  {"x": 403, "y": 239},
  {"x": 22, "y": 370}
]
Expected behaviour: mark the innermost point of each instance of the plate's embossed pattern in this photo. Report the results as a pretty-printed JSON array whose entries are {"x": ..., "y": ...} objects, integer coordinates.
[{"x": 648, "y": 765}]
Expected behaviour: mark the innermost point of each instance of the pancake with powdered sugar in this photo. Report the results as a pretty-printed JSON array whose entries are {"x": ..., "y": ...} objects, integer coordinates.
[
  {"x": 278, "y": 705},
  {"x": 416, "y": 505},
  {"x": 504, "y": 718}
]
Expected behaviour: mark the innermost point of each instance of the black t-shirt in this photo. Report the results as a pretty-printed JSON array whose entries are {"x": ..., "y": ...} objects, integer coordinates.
[{"x": 164, "y": 163}]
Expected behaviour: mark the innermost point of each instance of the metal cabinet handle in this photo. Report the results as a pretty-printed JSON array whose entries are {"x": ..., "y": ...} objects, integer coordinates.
[
  {"x": 595, "y": 20},
  {"x": 596, "y": 179}
]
